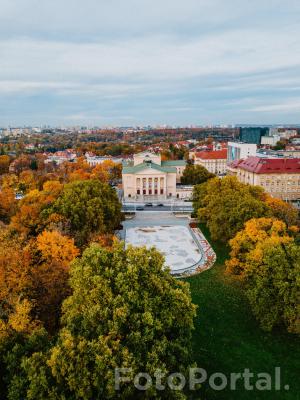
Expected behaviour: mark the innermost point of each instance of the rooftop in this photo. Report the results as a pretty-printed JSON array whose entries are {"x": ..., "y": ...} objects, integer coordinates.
[
  {"x": 146, "y": 165},
  {"x": 212, "y": 155},
  {"x": 260, "y": 165}
]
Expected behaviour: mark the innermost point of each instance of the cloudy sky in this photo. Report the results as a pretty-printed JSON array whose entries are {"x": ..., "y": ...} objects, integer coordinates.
[{"x": 131, "y": 62}]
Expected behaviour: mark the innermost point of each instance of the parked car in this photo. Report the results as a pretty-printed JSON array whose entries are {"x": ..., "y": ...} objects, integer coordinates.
[
  {"x": 139, "y": 208},
  {"x": 160, "y": 205},
  {"x": 148, "y": 204}
]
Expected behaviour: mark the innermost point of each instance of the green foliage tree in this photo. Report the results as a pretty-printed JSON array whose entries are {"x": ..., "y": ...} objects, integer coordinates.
[
  {"x": 126, "y": 311},
  {"x": 15, "y": 349},
  {"x": 226, "y": 204},
  {"x": 89, "y": 207},
  {"x": 195, "y": 174},
  {"x": 266, "y": 259}
]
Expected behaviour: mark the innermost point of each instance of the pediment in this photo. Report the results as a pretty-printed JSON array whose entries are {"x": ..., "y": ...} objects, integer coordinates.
[{"x": 150, "y": 171}]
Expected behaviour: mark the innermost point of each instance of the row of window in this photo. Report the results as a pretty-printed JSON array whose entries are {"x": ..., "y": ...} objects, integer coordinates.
[{"x": 150, "y": 191}]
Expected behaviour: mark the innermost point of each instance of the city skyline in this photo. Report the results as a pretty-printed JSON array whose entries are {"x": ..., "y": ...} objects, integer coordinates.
[{"x": 138, "y": 63}]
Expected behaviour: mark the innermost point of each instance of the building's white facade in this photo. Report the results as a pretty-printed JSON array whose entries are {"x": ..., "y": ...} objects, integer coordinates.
[
  {"x": 149, "y": 178},
  {"x": 238, "y": 150},
  {"x": 270, "y": 140},
  {"x": 95, "y": 160},
  {"x": 284, "y": 133},
  {"x": 214, "y": 161}
]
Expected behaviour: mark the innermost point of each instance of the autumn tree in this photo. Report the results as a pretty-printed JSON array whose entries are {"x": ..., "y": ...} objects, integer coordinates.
[
  {"x": 107, "y": 171},
  {"x": 195, "y": 174},
  {"x": 27, "y": 181},
  {"x": 266, "y": 259},
  {"x": 8, "y": 204},
  {"x": 226, "y": 204},
  {"x": 126, "y": 311},
  {"x": 4, "y": 164},
  {"x": 37, "y": 272},
  {"x": 22, "y": 163},
  {"x": 9, "y": 181},
  {"x": 53, "y": 254},
  {"x": 29, "y": 219},
  {"x": 283, "y": 210},
  {"x": 89, "y": 207}
]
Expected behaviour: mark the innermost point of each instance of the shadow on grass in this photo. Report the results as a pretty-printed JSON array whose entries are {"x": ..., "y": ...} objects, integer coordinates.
[{"x": 228, "y": 339}]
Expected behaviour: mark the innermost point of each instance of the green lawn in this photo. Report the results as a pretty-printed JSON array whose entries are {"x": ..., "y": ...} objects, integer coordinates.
[{"x": 228, "y": 339}]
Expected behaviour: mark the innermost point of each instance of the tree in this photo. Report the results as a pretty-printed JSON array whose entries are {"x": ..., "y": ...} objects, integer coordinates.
[
  {"x": 27, "y": 181},
  {"x": 90, "y": 207},
  {"x": 4, "y": 164},
  {"x": 37, "y": 272},
  {"x": 9, "y": 181},
  {"x": 199, "y": 193},
  {"x": 15, "y": 347},
  {"x": 226, "y": 204},
  {"x": 31, "y": 217},
  {"x": 8, "y": 204},
  {"x": 107, "y": 171},
  {"x": 125, "y": 311},
  {"x": 266, "y": 259},
  {"x": 54, "y": 246},
  {"x": 283, "y": 210},
  {"x": 50, "y": 275},
  {"x": 195, "y": 174}
]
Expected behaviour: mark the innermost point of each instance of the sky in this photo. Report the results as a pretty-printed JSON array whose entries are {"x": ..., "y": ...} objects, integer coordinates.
[{"x": 149, "y": 62}]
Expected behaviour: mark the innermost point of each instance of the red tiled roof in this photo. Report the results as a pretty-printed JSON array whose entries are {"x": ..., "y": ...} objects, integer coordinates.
[
  {"x": 271, "y": 165},
  {"x": 212, "y": 155},
  {"x": 235, "y": 163}
]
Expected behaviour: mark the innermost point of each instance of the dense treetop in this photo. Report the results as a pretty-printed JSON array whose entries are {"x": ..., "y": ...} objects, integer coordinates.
[{"x": 125, "y": 310}]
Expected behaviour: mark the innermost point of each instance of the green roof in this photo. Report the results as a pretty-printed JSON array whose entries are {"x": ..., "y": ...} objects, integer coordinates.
[
  {"x": 141, "y": 167},
  {"x": 173, "y": 163}
]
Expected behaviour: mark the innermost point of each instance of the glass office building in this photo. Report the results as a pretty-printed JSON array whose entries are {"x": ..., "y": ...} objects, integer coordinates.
[{"x": 253, "y": 134}]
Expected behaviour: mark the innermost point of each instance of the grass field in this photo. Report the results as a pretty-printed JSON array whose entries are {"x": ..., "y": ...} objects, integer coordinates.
[{"x": 228, "y": 339}]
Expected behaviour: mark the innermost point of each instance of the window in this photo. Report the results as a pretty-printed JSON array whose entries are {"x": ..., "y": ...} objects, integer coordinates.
[
  {"x": 144, "y": 191},
  {"x": 161, "y": 191},
  {"x": 138, "y": 191}
]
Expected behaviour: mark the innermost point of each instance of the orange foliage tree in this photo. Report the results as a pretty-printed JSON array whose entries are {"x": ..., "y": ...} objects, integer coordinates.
[
  {"x": 4, "y": 164},
  {"x": 37, "y": 272},
  {"x": 29, "y": 219},
  {"x": 8, "y": 204}
]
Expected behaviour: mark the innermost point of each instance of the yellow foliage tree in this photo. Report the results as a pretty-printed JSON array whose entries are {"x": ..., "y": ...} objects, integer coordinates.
[
  {"x": 267, "y": 260},
  {"x": 55, "y": 247}
]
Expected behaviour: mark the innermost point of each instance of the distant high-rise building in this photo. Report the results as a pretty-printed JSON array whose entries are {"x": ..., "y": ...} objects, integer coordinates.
[{"x": 253, "y": 134}]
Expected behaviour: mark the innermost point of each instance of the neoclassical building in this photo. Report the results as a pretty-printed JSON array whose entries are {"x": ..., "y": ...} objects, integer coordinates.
[{"x": 149, "y": 178}]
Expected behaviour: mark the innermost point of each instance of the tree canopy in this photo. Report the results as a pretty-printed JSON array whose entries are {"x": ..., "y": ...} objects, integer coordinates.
[
  {"x": 125, "y": 310},
  {"x": 226, "y": 204},
  {"x": 89, "y": 207},
  {"x": 265, "y": 257},
  {"x": 195, "y": 174}
]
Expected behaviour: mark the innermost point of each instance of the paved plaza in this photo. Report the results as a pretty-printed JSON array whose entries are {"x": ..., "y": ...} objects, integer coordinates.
[
  {"x": 171, "y": 235},
  {"x": 174, "y": 242}
]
